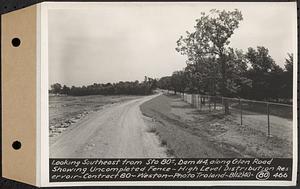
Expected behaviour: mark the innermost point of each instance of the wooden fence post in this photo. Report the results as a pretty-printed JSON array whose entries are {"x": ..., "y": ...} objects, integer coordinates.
[
  {"x": 200, "y": 102},
  {"x": 241, "y": 110},
  {"x": 209, "y": 103},
  {"x": 268, "y": 113}
]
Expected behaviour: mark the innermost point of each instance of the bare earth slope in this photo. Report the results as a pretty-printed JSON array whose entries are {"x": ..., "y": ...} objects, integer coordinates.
[
  {"x": 189, "y": 133},
  {"x": 118, "y": 131}
]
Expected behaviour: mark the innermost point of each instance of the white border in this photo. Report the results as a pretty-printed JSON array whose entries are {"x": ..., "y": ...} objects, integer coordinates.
[
  {"x": 38, "y": 95},
  {"x": 44, "y": 137},
  {"x": 43, "y": 149}
]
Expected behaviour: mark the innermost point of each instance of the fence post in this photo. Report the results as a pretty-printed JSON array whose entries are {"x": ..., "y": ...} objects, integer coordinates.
[
  {"x": 268, "y": 113},
  {"x": 241, "y": 110},
  {"x": 200, "y": 102},
  {"x": 222, "y": 103},
  {"x": 209, "y": 97},
  {"x": 194, "y": 100}
]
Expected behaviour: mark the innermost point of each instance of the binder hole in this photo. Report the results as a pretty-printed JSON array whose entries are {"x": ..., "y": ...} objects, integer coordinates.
[
  {"x": 16, "y": 42},
  {"x": 16, "y": 145}
]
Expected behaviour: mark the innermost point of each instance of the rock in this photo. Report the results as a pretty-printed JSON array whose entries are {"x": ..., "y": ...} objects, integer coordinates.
[
  {"x": 215, "y": 125},
  {"x": 59, "y": 130},
  {"x": 73, "y": 121}
]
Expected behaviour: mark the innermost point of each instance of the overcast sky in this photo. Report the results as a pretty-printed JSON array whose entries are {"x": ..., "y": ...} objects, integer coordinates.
[{"x": 110, "y": 42}]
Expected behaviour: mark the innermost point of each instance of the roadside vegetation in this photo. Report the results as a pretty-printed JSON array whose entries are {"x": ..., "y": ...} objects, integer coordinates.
[
  {"x": 121, "y": 88},
  {"x": 212, "y": 68},
  {"x": 188, "y": 133},
  {"x": 216, "y": 69}
]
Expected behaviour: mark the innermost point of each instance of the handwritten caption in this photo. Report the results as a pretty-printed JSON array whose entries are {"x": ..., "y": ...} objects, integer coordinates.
[{"x": 69, "y": 170}]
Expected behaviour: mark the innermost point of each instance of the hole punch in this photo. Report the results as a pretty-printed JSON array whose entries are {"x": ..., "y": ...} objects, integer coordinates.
[
  {"x": 16, "y": 42},
  {"x": 16, "y": 145}
]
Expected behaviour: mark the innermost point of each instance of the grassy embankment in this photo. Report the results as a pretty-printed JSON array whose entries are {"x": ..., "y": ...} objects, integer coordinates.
[{"x": 188, "y": 133}]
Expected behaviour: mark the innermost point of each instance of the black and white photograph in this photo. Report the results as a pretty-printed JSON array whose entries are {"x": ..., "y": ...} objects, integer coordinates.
[
  {"x": 150, "y": 94},
  {"x": 171, "y": 80},
  {"x": 178, "y": 91}
]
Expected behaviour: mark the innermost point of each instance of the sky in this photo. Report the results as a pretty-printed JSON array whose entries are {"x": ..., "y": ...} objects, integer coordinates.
[{"x": 111, "y": 42}]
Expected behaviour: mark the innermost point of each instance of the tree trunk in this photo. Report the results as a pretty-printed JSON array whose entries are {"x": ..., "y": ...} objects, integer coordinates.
[
  {"x": 223, "y": 83},
  {"x": 214, "y": 94},
  {"x": 226, "y": 106}
]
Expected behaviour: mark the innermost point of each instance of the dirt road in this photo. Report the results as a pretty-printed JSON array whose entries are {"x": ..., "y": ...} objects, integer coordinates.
[{"x": 117, "y": 131}]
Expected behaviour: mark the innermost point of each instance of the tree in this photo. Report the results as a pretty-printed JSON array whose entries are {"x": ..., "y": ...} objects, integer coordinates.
[
  {"x": 237, "y": 68},
  {"x": 289, "y": 63},
  {"x": 65, "y": 90},
  {"x": 56, "y": 88},
  {"x": 210, "y": 40},
  {"x": 260, "y": 60},
  {"x": 288, "y": 77},
  {"x": 164, "y": 83},
  {"x": 178, "y": 81},
  {"x": 120, "y": 88},
  {"x": 265, "y": 74}
]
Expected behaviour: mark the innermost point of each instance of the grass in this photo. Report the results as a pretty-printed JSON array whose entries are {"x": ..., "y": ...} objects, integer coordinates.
[
  {"x": 172, "y": 132},
  {"x": 163, "y": 142},
  {"x": 151, "y": 129},
  {"x": 261, "y": 108},
  {"x": 188, "y": 133}
]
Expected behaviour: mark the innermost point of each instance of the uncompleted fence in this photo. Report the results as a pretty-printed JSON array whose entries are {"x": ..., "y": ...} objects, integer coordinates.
[{"x": 271, "y": 118}]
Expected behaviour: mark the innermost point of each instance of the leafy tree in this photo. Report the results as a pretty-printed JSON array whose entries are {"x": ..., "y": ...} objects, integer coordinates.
[
  {"x": 289, "y": 63},
  {"x": 210, "y": 40},
  {"x": 288, "y": 77},
  {"x": 236, "y": 72},
  {"x": 178, "y": 81},
  {"x": 120, "y": 88},
  {"x": 65, "y": 90},
  {"x": 56, "y": 88},
  {"x": 165, "y": 83},
  {"x": 265, "y": 74},
  {"x": 260, "y": 60}
]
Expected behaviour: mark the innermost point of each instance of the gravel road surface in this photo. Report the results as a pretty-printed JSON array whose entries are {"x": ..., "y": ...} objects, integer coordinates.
[{"x": 117, "y": 131}]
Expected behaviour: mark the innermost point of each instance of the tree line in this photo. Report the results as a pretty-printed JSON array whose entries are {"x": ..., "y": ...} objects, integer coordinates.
[
  {"x": 215, "y": 68},
  {"x": 120, "y": 88},
  {"x": 212, "y": 67}
]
